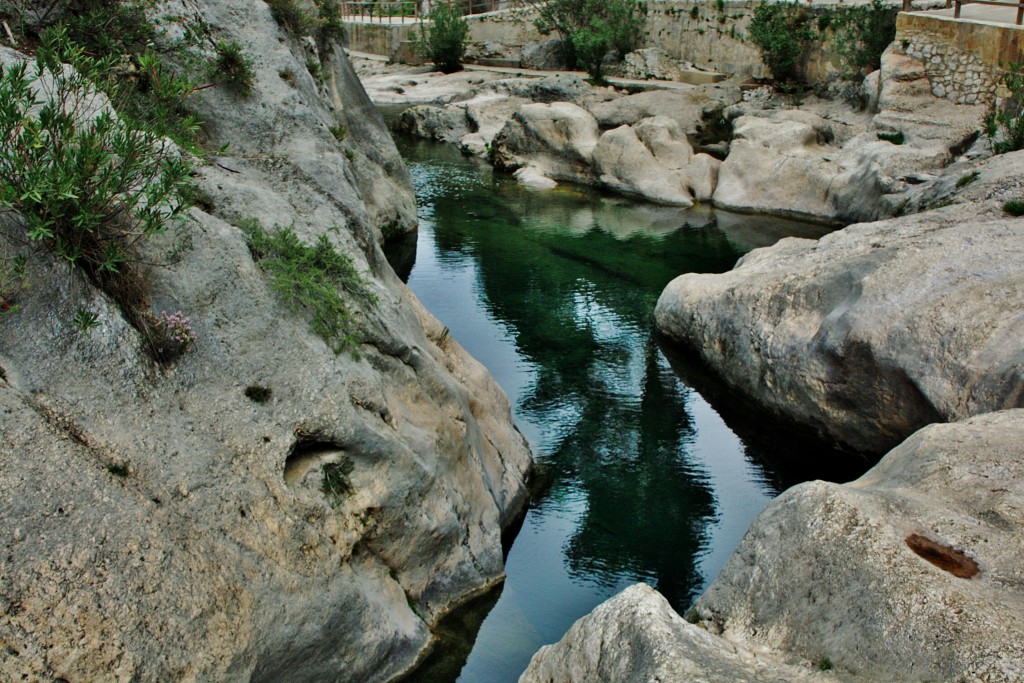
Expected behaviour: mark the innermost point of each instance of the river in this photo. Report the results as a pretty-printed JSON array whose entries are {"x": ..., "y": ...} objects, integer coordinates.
[{"x": 640, "y": 476}]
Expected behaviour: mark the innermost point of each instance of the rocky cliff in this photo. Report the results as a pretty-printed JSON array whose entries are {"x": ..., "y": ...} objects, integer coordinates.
[{"x": 167, "y": 522}]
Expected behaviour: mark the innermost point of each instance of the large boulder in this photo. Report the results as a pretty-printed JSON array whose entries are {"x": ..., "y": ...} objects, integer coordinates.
[
  {"x": 646, "y": 167},
  {"x": 689, "y": 107},
  {"x": 875, "y": 330},
  {"x": 557, "y": 139},
  {"x": 785, "y": 165},
  {"x": 636, "y": 637},
  {"x": 169, "y": 521},
  {"x": 913, "y": 572},
  {"x": 547, "y": 55}
]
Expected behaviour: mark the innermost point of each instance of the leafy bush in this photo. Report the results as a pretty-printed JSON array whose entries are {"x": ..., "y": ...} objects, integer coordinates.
[
  {"x": 444, "y": 43},
  {"x": 590, "y": 29},
  {"x": 12, "y": 281},
  {"x": 1004, "y": 126},
  {"x": 860, "y": 34},
  {"x": 781, "y": 31},
  {"x": 311, "y": 278},
  {"x": 234, "y": 66},
  {"x": 88, "y": 185}
]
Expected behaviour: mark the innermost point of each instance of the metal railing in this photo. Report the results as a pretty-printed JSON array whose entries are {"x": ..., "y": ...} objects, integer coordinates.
[
  {"x": 400, "y": 11},
  {"x": 957, "y": 4}
]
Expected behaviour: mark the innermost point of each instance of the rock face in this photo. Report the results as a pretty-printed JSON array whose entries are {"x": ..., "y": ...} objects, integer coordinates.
[
  {"x": 636, "y": 637},
  {"x": 158, "y": 523},
  {"x": 558, "y": 139},
  {"x": 876, "y": 330},
  {"x": 913, "y": 572}
]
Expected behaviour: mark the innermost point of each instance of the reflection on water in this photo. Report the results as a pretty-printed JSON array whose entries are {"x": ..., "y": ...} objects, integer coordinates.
[{"x": 554, "y": 293}]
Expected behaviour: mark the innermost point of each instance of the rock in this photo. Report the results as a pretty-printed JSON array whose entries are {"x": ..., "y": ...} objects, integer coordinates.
[
  {"x": 558, "y": 139},
  {"x": 531, "y": 176},
  {"x": 161, "y": 524},
  {"x": 702, "y": 176},
  {"x": 913, "y": 572},
  {"x": 430, "y": 122},
  {"x": 784, "y": 166},
  {"x": 687, "y": 107},
  {"x": 544, "y": 56},
  {"x": 635, "y": 637},
  {"x": 870, "y": 332},
  {"x": 651, "y": 62},
  {"x": 624, "y": 164}
]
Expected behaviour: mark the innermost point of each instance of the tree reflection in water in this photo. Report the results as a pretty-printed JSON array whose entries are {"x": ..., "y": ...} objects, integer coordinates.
[{"x": 570, "y": 279}]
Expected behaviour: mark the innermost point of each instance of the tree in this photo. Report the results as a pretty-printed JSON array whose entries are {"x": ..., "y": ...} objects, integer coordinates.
[
  {"x": 444, "y": 42},
  {"x": 590, "y": 29},
  {"x": 780, "y": 31}
]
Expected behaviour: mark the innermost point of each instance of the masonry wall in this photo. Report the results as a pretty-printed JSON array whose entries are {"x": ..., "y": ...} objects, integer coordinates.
[{"x": 965, "y": 61}]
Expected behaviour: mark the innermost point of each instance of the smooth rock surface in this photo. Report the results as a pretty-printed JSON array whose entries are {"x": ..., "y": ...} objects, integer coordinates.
[
  {"x": 636, "y": 637},
  {"x": 829, "y": 571},
  {"x": 558, "y": 139},
  {"x": 873, "y": 331},
  {"x": 644, "y": 168}
]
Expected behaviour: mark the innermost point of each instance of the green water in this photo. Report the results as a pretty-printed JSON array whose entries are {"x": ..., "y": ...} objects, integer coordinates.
[{"x": 643, "y": 479}]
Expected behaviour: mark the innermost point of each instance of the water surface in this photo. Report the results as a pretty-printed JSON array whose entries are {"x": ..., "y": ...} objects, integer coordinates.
[{"x": 643, "y": 480}]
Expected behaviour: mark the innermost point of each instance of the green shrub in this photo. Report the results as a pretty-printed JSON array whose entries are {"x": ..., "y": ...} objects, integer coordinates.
[
  {"x": 967, "y": 179},
  {"x": 89, "y": 185},
  {"x": 860, "y": 34},
  {"x": 444, "y": 43},
  {"x": 895, "y": 138},
  {"x": 1014, "y": 207},
  {"x": 1005, "y": 125},
  {"x": 336, "y": 483},
  {"x": 290, "y": 16},
  {"x": 339, "y": 131},
  {"x": 234, "y": 67},
  {"x": 103, "y": 27},
  {"x": 781, "y": 31},
  {"x": 311, "y": 278},
  {"x": 331, "y": 30},
  {"x": 590, "y": 29}
]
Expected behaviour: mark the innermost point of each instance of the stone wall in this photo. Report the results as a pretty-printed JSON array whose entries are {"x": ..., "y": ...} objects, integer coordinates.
[{"x": 964, "y": 60}]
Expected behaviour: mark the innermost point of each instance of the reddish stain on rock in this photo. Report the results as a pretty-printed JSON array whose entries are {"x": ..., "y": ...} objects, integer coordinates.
[{"x": 942, "y": 556}]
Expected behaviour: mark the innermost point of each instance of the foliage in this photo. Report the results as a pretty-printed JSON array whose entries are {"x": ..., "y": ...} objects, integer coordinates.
[
  {"x": 174, "y": 335},
  {"x": 781, "y": 31},
  {"x": 12, "y": 281},
  {"x": 234, "y": 66},
  {"x": 444, "y": 42},
  {"x": 860, "y": 34},
  {"x": 88, "y": 185},
  {"x": 289, "y": 15},
  {"x": 102, "y": 27},
  {"x": 590, "y": 29},
  {"x": 896, "y": 138},
  {"x": 336, "y": 483},
  {"x": 1014, "y": 207},
  {"x": 339, "y": 131},
  {"x": 1005, "y": 125},
  {"x": 311, "y": 278},
  {"x": 85, "y": 320},
  {"x": 967, "y": 179},
  {"x": 331, "y": 30}
]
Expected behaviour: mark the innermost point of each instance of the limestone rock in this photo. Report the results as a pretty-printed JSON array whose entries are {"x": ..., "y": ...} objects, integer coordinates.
[
  {"x": 544, "y": 56},
  {"x": 645, "y": 161},
  {"x": 784, "y": 166},
  {"x": 635, "y": 637},
  {"x": 870, "y": 332},
  {"x": 163, "y": 525},
  {"x": 651, "y": 62},
  {"x": 687, "y": 107},
  {"x": 434, "y": 123},
  {"x": 913, "y": 572},
  {"x": 557, "y": 138}
]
